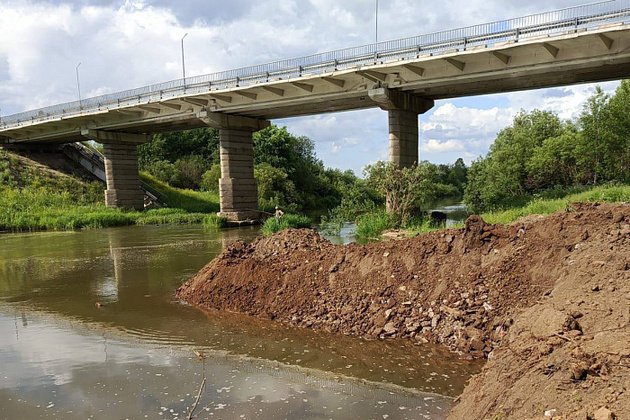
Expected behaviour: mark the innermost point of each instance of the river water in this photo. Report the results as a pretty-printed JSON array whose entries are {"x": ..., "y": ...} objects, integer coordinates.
[{"x": 90, "y": 328}]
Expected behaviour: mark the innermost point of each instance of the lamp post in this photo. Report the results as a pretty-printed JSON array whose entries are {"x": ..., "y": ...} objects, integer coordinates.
[
  {"x": 78, "y": 84},
  {"x": 183, "y": 62},
  {"x": 376, "y": 23}
]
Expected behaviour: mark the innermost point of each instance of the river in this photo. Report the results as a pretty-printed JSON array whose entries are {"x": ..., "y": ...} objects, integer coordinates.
[{"x": 90, "y": 328}]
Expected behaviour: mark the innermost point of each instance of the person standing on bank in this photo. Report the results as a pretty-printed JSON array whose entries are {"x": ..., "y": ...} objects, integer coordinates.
[{"x": 279, "y": 213}]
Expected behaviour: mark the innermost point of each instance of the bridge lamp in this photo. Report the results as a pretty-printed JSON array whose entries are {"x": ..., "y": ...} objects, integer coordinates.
[
  {"x": 183, "y": 62},
  {"x": 376, "y": 23},
  {"x": 78, "y": 84}
]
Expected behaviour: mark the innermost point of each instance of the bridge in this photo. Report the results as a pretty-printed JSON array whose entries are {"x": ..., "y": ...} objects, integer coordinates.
[{"x": 404, "y": 77}]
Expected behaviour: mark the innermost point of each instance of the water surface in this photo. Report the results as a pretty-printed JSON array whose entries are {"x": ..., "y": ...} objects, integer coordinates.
[{"x": 90, "y": 328}]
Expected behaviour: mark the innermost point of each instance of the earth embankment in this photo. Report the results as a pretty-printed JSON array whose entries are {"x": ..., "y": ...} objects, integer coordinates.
[{"x": 546, "y": 300}]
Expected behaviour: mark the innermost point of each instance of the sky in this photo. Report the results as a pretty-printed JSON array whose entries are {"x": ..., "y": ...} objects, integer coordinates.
[{"x": 122, "y": 44}]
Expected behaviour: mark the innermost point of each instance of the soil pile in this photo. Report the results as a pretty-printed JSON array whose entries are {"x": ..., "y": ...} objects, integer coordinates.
[{"x": 551, "y": 295}]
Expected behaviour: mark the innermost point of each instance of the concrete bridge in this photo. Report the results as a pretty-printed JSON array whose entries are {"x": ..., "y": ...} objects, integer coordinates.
[{"x": 403, "y": 77}]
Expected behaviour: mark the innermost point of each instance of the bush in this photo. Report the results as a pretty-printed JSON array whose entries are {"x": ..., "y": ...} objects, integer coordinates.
[
  {"x": 162, "y": 170},
  {"x": 189, "y": 172},
  {"x": 273, "y": 224},
  {"x": 210, "y": 179},
  {"x": 372, "y": 225}
]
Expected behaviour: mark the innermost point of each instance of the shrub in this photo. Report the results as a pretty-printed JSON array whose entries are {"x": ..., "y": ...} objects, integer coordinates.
[
  {"x": 273, "y": 225},
  {"x": 210, "y": 179}
]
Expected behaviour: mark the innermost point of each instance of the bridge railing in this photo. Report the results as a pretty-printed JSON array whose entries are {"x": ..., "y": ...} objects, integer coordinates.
[{"x": 462, "y": 39}]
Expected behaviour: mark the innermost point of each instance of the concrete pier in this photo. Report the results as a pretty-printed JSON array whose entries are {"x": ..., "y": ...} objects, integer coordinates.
[
  {"x": 237, "y": 186},
  {"x": 121, "y": 167},
  {"x": 403, "y": 138},
  {"x": 403, "y": 109},
  {"x": 123, "y": 179}
]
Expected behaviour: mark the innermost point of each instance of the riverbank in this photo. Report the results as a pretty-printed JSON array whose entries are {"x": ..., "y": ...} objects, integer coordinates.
[
  {"x": 546, "y": 297},
  {"x": 34, "y": 197}
]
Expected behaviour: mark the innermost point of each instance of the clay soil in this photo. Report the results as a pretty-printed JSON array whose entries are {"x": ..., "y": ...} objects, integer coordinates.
[{"x": 546, "y": 300}]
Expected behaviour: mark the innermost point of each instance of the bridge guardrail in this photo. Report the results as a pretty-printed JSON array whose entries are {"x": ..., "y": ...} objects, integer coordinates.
[{"x": 548, "y": 23}]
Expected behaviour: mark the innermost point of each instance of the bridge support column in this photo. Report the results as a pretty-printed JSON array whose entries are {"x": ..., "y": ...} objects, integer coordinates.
[
  {"x": 403, "y": 109},
  {"x": 121, "y": 168},
  {"x": 403, "y": 138},
  {"x": 237, "y": 186}
]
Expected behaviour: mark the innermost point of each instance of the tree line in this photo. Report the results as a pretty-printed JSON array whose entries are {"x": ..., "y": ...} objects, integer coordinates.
[{"x": 540, "y": 154}]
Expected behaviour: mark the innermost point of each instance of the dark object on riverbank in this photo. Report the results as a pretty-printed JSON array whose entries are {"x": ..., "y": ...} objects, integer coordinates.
[
  {"x": 438, "y": 219},
  {"x": 517, "y": 289}
]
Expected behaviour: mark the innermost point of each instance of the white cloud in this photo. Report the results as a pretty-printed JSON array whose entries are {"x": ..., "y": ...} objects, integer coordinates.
[{"x": 126, "y": 44}]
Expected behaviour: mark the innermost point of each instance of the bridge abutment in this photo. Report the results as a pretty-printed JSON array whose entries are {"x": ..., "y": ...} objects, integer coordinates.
[
  {"x": 121, "y": 168},
  {"x": 237, "y": 186}
]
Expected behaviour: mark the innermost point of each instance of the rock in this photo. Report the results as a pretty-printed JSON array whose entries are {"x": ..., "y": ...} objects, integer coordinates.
[
  {"x": 595, "y": 288},
  {"x": 389, "y": 329},
  {"x": 388, "y": 314},
  {"x": 487, "y": 307},
  {"x": 434, "y": 321},
  {"x": 603, "y": 414}
]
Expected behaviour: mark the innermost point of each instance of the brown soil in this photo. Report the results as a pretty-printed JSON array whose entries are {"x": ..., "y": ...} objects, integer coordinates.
[{"x": 547, "y": 300}]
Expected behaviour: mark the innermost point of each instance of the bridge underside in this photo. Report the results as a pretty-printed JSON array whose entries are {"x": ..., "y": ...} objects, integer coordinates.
[{"x": 404, "y": 88}]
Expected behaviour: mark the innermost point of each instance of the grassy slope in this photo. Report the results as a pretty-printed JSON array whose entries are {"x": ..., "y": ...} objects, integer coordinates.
[{"x": 33, "y": 198}]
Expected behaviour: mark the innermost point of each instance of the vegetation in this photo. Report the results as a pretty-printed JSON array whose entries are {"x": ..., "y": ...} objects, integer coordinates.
[
  {"x": 273, "y": 224},
  {"x": 408, "y": 193},
  {"x": 602, "y": 194},
  {"x": 540, "y": 153},
  {"x": 34, "y": 198},
  {"x": 183, "y": 199}
]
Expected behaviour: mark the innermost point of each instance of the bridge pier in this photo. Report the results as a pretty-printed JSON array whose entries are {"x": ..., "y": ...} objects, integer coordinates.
[
  {"x": 403, "y": 109},
  {"x": 121, "y": 167},
  {"x": 237, "y": 186}
]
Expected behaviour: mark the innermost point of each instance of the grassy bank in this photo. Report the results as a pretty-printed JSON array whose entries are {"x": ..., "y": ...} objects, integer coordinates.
[
  {"x": 603, "y": 194},
  {"x": 34, "y": 198}
]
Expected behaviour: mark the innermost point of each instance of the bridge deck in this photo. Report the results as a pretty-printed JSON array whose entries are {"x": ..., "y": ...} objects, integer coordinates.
[{"x": 576, "y": 45}]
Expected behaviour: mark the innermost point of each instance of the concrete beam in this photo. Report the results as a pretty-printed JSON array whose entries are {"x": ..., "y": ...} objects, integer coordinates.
[
  {"x": 104, "y": 137},
  {"x": 504, "y": 58},
  {"x": 234, "y": 122},
  {"x": 459, "y": 65},
  {"x": 389, "y": 99},
  {"x": 608, "y": 42},
  {"x": 276, "y": 91},
  {"x": 414, "y": 69},
  {"x": 334, "y": 81},
  {"x": 553, "y": 51},
  {"x": 303, "y": 86}
]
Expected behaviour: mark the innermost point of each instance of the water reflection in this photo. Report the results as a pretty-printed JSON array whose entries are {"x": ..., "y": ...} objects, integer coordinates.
[{"x": 138, "y": 339}]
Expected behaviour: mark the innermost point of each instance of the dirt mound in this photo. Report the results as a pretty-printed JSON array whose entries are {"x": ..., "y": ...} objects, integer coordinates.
[{"x": 550, "y": 294}]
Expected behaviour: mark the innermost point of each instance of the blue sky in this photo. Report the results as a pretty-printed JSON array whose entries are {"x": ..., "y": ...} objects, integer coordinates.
[{"x": 124, "y": 44}]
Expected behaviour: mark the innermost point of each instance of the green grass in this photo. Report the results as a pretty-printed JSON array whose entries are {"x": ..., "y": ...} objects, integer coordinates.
[
  {"x": 372, "y": 225},
  {"x": 273, "y": 225},
  {"x": 603, "y": 194},
  {"x": 189, "y": 200},
  {"x": 32, "y": 199},
  {"x": 214, "y": 221}
]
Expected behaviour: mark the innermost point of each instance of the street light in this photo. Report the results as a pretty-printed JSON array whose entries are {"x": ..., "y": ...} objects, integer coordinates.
[
  {"x": 376, "y": 24},
  {"x": 78, "y": 84},
  {"x": 183, "y": 62}
]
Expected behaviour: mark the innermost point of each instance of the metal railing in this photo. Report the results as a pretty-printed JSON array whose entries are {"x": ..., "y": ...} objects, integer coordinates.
[{"x": 549, "y": 23}]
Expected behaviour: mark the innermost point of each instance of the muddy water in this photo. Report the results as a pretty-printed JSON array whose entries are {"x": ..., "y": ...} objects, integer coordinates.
[{"x": 89, "y": 328}]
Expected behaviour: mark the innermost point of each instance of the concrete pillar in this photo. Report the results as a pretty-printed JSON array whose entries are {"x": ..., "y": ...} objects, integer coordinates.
[
  {"x": 121, "y": 173},
  {"x": 403, "y": 138},
  {"x": 403, "y": 109},
  {"x": 237, "y": 186},
  {"x": 121, "y": 167}
]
